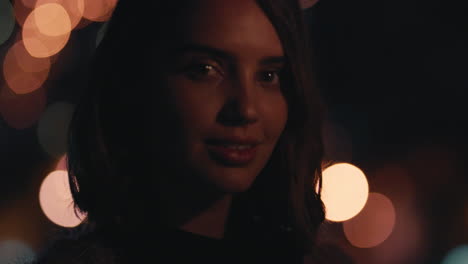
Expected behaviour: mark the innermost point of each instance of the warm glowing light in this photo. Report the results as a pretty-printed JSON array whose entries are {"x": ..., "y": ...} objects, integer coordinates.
[
  {"x": 21, "y": 11},
  {"x": 373, "y": 225},
  {"x": 21, "y": 111},
  {"x": 457, "y": 255},
  {"x": 29, "y": 3},
  {"x": 7, "y": 21},
  {"x": 344, "y": 191},
  {"x": 53, "y": 128},
  {"x": 99, "y": 10},
  {"x": 24, "y": 73},
  {"x": 56, "y": 200},
  {"x": 73, "y": 8},
  {"x": 12, "y": 251},
  {"x": 42, "y": 45},
  {"x": 52, "y": 20},
  {"x": 62, "y": 163}
]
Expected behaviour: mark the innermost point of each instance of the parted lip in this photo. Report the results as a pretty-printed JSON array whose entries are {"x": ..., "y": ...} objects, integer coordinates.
[{"x": 234, "y": 140}]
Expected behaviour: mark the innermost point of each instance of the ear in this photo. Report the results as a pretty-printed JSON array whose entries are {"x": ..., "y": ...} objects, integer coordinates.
[{"x": 305, "y": 4}]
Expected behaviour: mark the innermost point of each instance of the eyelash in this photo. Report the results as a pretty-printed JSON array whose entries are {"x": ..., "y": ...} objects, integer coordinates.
[
  {"x": 197, "y": 72},
  {"x": 277, "y": 74}
]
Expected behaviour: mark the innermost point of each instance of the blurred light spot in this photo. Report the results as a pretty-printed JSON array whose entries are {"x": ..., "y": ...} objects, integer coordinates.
[
  {"x": 12, "y": 251},
  {"x": 52, "y": 20},
  {"x": 307, "y": 3},
  {"x": 337, "y": 143},
  {"x": 62, "y": 163},
  {"x": 53, "y": 128},
  {"x": 102, "y": 31},
  {"x": 38, "y": 44},
  {"x": 21, "y": 11},
  {"x": 29, "y": 3},
  {"x": 458, "y": 255},
  {"x": 344, "y": 191},
  {"x": 7, "y": 20},
  {"x": 56, "y": 200},
  {"x": 408, "y": 240},
  {"x": 373, "y": 224},
  {"x": 21, "y": 111},
  {"x": 99, "y": 10},
  {"x": 24, "y": 73},
  {"x": 74, "y": 9}
]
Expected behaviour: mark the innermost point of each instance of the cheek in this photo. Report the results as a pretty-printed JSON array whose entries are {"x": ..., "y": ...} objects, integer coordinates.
[
  {"x": 190, "y": 108},
  {"x": 275, "y": 117}
]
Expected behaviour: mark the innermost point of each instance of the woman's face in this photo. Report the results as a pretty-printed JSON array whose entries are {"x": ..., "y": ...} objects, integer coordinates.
[{"x": 225, "y": 91}]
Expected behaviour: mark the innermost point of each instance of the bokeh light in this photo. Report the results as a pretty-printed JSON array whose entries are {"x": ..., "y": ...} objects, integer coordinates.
[
  {"x": 21, "y": 111},
  {"x": 62, "y": 163},
  {"x": 458, "y": 255},
  {"x": 39, "y": 44},
  {"x": 13, "y": 251},
  {"x": 24, "y": 73},
  {"x": 21, "y": 11},
  {"x": 52, "y": 20},
  {"x": 53, "y": 128},
  {"x": 56, "y": 200},
  {"x": 74, "y": 9},
  {"x": 7, "y": 20},
  {"x": 29, "y": 3},
  {"x": 344, "y": 191},
  {"x": 99, "y": 10},
  {"x": 373, "y": 225}
]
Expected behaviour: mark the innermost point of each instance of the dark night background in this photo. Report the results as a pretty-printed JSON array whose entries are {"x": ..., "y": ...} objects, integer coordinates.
[{"x": 393, "y": 75}]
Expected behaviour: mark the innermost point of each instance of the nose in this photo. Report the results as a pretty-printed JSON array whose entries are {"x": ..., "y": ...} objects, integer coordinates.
[{"x": 241, "y": 104}]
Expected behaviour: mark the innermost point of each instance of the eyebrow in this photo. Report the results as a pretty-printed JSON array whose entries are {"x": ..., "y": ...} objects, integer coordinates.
[{"x": 199, "y": 48}]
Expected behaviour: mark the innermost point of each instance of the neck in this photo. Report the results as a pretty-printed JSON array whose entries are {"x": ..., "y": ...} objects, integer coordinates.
[
  {"x": 212, "y": 221},
  {"x": 192, "y": 206}
]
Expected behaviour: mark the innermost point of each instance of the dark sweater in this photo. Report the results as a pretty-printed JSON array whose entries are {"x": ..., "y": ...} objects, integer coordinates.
[{"x": 174, "y": 246}]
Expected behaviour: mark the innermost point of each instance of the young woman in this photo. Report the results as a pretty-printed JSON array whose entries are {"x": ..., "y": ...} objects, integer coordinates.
[{"x": 198, "y": 138}]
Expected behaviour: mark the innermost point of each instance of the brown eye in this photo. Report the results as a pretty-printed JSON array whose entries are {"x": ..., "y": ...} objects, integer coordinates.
[
  {"x": 270, "y": 78},
  {"x": 203, "y": 72}
]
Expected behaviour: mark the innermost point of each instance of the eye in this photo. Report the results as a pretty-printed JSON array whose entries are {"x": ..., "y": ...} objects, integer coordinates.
[
  {"x": 203, "y": 71},
  {"x": 270, "y": 78}
]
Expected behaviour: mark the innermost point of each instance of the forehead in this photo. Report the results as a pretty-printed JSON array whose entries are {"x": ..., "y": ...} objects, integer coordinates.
[{"x": 239, "y": 27}]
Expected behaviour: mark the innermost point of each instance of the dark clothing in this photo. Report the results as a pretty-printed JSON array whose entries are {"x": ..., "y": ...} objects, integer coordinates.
[{"x": 170, "y": 246}]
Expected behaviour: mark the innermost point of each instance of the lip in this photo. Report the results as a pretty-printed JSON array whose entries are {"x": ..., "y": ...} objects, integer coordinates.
[
  {"x": 234, "y": 140},
  {"x": 232, "y": 157}
]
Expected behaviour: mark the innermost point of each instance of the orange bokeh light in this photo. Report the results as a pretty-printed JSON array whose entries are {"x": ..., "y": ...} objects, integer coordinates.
[
  {"x": 56, "y": 200},
  {"x": 373, "y": 225},
  {"x": 39, "y": 44},
  {"x": 24, "y": 73},
  {"x": 29, "y": 3},
  {"x": 99, "y": 10},
  {"x": 52, "y": 19},
  {"x": 344, "y": 191},
  {"x": 74, "y": 9},
  {"x": 21, "y": 11},
  {"x": 62, "y": 163},
  {"x": 22, "y": 111}
]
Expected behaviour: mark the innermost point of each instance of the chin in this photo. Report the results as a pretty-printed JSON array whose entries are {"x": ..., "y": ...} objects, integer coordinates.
[{"x": 232, "y": 182}]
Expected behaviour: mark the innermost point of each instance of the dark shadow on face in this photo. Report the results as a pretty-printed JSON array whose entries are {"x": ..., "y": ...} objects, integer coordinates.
[{"x": 222, "y": 83}]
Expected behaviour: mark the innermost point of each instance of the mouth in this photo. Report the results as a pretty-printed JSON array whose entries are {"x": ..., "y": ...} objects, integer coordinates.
[{"x": 239, "y": 152}]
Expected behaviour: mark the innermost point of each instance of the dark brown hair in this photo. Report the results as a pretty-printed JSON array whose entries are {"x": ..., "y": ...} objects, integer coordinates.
[{"x": 111, "y": 140}]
